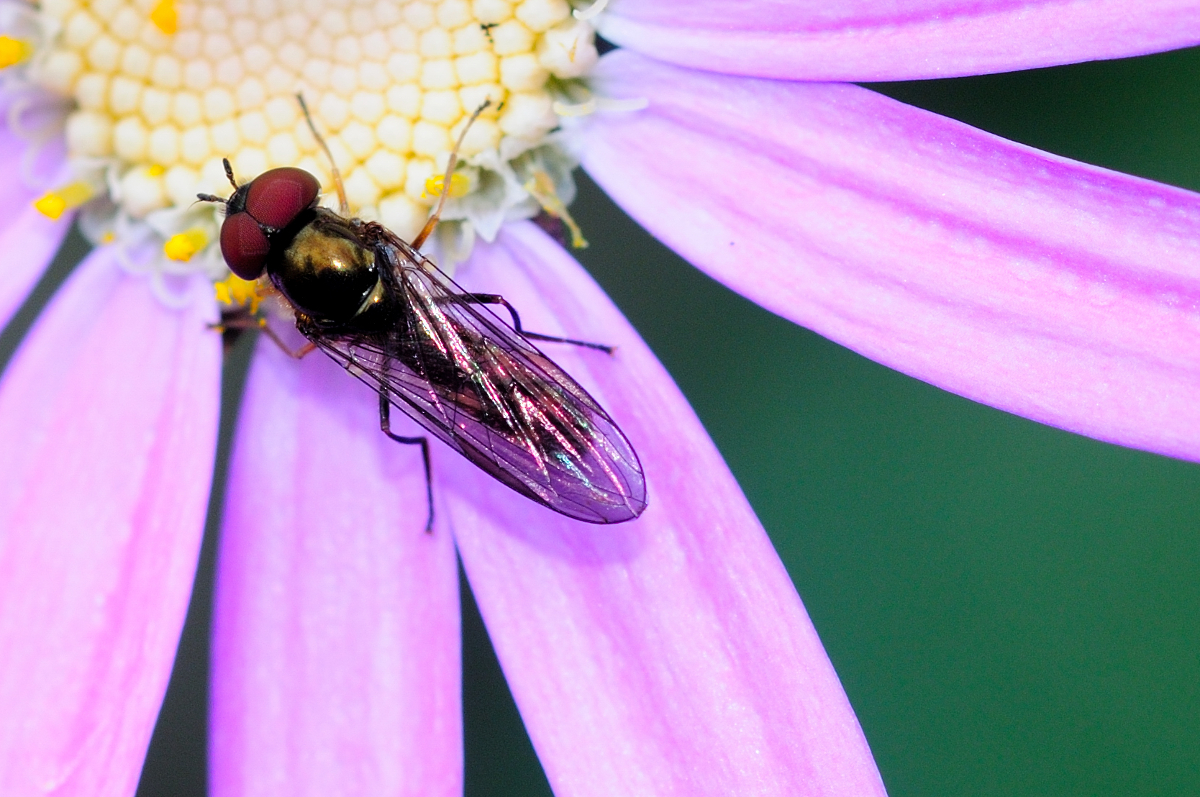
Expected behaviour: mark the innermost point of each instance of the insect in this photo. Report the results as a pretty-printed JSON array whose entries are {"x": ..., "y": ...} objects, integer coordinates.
[{"x": 385, "y": 312}]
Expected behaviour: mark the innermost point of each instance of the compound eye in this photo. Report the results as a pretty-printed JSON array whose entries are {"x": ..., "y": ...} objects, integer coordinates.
[
  {"x": 244, "y": 246},
  {"x": 276, "y": 196}
]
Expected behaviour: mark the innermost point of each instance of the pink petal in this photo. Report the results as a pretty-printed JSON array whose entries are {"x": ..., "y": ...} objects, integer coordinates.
[
  {"x": 28, "y": 242},
  {"x": 1048, "y": 288},
  {"x": 669, "y": 655},
  {"x": 864, "y": 40},
  {"x": 336, "y": 653},
  {"x": 108, "y": 417}
]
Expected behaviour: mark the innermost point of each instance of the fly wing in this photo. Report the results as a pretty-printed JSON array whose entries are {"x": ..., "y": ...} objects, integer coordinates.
[{"x": 474, "y": 382}]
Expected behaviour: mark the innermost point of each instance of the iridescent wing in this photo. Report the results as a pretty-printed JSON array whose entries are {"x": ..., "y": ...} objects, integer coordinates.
[{"x": 470, "y": 379}]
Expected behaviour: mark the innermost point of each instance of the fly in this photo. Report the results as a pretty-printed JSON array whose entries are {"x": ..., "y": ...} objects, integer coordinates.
[{"x": 389, "y": 316}]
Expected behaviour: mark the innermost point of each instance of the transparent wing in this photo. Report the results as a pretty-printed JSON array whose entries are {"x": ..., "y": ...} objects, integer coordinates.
[{"x": 473, "y": 381}]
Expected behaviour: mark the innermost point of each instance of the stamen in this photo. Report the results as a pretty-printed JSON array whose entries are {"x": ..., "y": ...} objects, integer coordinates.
[
  {"x": 605, "y": 104},
  {"x": 591, "y": 11},
  {"x": 236, "y": 291},
  {"x": 70, "y": 196},
  {"x": 600, "y": 105},
  {"x": 13, "y": 51},
  {"x": 165, "y": 17},
  {"x": 182, "y": 246},
  {"x": 460, "y": 185},
  {"x": 578, "y": 109},
  {"x": 541, "y": 188}
]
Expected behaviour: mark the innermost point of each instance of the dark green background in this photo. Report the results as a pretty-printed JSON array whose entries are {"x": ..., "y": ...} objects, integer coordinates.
[{"x": 1012, "y": 609}]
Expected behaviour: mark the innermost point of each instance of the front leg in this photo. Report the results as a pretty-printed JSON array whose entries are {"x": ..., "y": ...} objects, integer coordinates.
[{"x": 254, "y": 322}]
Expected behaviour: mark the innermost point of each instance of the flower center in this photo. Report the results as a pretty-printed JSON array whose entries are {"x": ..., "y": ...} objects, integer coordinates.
[{"x": 164, "y": 89}]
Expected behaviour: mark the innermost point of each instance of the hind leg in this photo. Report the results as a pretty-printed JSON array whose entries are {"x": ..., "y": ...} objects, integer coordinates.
[{"x": 385, "y": 423}]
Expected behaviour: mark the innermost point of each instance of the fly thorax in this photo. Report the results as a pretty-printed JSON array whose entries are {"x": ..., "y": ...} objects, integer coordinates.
[{"x": 323, "y": 269}]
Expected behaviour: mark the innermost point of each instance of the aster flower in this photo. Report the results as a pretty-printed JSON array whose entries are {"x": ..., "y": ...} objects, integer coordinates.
[{"x": 671, "y": 654}]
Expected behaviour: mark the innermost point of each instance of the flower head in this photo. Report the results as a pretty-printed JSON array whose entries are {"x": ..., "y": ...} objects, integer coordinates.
[{"x": 163, "y": 92}]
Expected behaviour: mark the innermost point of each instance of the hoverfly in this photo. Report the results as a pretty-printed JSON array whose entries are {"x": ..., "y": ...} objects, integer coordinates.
[{"x": 389, "y": 316}]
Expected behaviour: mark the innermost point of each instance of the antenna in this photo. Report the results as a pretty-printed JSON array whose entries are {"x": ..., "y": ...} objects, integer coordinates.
[{"x": 233, "y": 182}]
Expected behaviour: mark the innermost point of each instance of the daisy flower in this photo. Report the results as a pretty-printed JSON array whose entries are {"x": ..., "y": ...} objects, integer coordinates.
[{"x": 670, "y": 655}]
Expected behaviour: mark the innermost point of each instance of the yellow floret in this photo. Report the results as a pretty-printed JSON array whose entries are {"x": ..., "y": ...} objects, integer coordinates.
[
  {"x": 68, "y": 197},
  {"x": 183, "y": 246},
  {"x": 435, "y": 186},
  {"x": 165, "y": 17},
  {"x": 235, "y": 291},
  {"x": 13, "y": 51}
]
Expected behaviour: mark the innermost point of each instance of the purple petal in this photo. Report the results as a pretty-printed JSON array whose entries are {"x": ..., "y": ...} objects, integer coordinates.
[
  {"x": 33, "y": 146},
  {"x": 336, "y": 663},
  {"x": 863, "y": 40},
  {"x": 669, "y": 655},
  {"x": 1048, "y": 288},
  {"x": 108, "y": 422},
  {"x": 28, "y": 239},
  {"x": 29, "y": 180}
]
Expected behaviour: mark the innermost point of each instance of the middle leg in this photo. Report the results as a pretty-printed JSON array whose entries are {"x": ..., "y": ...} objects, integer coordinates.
[{"x": 495, "y": 298}]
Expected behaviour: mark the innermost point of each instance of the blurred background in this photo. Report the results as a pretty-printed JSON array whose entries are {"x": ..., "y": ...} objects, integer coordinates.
[{"x": 1011, "y": 608}]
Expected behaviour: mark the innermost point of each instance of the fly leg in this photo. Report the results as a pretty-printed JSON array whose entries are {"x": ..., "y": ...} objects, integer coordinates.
[
  {"x": 250, "y": 322},
  {"x": 343, "y": 205},
  {"x": 493, "y": 298},
  {"x": 427, "y": 230},
  {"x": 385, "y": 423}
]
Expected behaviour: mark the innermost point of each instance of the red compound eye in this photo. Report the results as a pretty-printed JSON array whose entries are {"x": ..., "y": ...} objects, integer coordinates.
[
  {"x": 276, "y": 196},
  {"x": 244, "y": 246}
]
